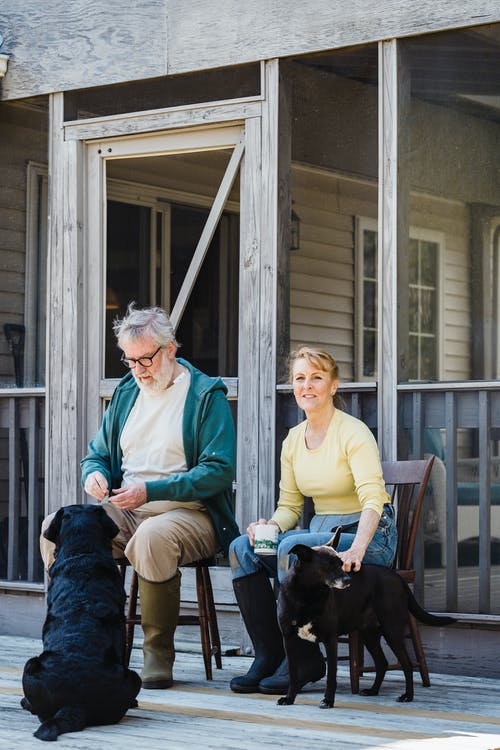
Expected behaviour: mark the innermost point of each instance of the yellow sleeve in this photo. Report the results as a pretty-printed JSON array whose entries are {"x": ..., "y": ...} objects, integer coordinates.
[
  {"x": 364, "y": 461},
  {"x": 291, "y": 500}
]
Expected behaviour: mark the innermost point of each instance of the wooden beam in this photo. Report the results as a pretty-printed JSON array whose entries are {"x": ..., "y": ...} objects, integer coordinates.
[{"x": 134, "y": 123}]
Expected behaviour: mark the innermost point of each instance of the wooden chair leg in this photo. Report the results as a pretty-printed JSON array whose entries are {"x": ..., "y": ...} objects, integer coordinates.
[
  {"x": 355, "y": 660},
  {"x": 419, "y": 652},
  {"x": 131, "y": 617},
  {"x": 212, "y": 619},
  {"x": 204, "y": 625}
]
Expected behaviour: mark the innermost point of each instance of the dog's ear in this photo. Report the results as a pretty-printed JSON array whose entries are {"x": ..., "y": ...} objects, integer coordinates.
[
  {"x": 334, "y": 541},
  {"x": 109, "y": 526},
  {"x": 52, "y": 531},
  {"x": 303, "y": 552}
]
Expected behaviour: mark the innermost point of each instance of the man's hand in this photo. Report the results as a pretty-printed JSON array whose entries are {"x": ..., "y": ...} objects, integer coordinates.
[
  {"x": 96, "y": 485},
  {"x": 129, "y": 497}
]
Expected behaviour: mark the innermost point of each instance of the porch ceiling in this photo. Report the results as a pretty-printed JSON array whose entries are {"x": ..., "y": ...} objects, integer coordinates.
[{"x": 459, "y": 68}]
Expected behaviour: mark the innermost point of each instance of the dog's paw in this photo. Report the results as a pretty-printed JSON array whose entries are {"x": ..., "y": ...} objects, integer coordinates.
[
  {"x": 26, "y": 705},
  {"x": 47, "y": 731},
  {"x": 368, "y": 691},
  {"x": 326, "y": 704},
  {"x": 405, "y": 698},
  {"x": 285, "y": 701}
]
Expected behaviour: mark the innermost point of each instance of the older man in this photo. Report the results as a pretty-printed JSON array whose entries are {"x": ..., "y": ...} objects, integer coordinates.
[{"x": 163, "y": 460}]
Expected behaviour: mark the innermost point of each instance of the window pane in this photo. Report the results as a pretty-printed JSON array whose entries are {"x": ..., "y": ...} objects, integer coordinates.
[
  {"x": 413, "y": 262},
  {"x": 169, "y": 91},
  {"x": 370, "y": 300},
  {"x": 413, "y": 358},
  {"x": 414, "y": 317},
  {"x": 427, "y": 311},
  {"x": 334, "y": 172},
  {"x": 428, "y": 363},
  {"x": 23, "y": 241},
  {"x": 370, "y": 254},
  {"x": 152, "y": 235},
  {"x": 454, "y": 193},
  {"x": 428, "y": 254},
  {"x": 370, "y": 351}
]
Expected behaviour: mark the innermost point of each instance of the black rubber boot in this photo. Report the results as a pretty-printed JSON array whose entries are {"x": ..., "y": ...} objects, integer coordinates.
[
  {"x": 257, "y": 604},
  {"x": 312, "y": 667}
]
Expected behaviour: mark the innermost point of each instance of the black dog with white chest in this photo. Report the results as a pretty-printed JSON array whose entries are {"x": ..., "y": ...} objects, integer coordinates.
[
  {"x": 318, "y": 601},
  {"x": 81, "y": 679}
]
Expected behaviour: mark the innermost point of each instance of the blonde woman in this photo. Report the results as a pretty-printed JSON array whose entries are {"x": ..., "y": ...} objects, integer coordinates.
[{"x": 333, "y": 458}]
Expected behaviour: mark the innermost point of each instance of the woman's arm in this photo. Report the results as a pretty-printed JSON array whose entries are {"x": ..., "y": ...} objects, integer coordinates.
[{"x": 353, "y": 557}]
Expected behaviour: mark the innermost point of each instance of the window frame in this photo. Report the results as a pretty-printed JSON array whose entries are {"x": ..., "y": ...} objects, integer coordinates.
[{"x": 421, "y": 234}]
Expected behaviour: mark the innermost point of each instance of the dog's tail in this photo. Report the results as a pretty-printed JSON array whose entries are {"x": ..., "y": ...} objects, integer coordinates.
[{"x": 422, "y": 615}]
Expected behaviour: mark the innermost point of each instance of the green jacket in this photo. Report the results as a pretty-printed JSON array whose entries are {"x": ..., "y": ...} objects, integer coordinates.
[{"x": 209, "y": 445}]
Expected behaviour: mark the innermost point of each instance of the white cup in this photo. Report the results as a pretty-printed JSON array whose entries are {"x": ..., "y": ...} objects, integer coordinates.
[{"x": 265, "y": 539}]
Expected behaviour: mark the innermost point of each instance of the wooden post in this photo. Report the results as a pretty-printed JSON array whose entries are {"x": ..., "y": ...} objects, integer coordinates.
[
  {"x": 249, "y": 334},
  {"x": 275, "y": 272},
  {"x": 393, "y": 340},
  {"x": 64, "y": 334}
]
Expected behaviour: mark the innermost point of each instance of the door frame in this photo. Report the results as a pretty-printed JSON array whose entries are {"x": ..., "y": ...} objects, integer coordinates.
[{"x": 76, "y": 282}]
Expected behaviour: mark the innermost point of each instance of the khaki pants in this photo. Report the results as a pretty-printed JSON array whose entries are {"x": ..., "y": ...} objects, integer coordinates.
[{"x": 156, "y": 538}]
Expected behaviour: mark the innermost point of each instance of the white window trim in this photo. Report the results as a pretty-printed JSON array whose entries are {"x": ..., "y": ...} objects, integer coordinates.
[{"x": 363, "y": 223}]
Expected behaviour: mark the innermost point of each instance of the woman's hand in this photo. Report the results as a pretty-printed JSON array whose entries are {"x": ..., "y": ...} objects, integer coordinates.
[
  {"x": 130, "y": 497},
  {"x": 251, "y": 528},
  {"x": 96, "y": 485},
  {"x": 352, "y": 559}
]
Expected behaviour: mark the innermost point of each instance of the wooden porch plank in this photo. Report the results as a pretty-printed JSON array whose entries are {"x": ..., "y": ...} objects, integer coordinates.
[{"x": 456, "y": 713}]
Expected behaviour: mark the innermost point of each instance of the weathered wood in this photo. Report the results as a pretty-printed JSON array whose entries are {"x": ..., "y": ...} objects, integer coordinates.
[
  {"x": 65, "y": 371},
  {"x": 249, "y": 329},
  {"x": 175, "y": 117},
  {"x": 393, "y": 236},
  {"x": 274, "y": 326},
  {"x": 52, "y": 51}
]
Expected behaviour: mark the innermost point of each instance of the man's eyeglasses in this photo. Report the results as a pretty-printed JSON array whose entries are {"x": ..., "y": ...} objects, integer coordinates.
[{"x": 130, "y": 362}]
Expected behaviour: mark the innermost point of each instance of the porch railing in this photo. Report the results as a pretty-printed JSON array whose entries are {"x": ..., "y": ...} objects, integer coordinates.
[{"x": 22, "y": 419}]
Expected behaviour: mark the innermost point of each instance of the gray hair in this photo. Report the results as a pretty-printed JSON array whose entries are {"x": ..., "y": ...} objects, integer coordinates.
[{"x": 137, "y": 323}]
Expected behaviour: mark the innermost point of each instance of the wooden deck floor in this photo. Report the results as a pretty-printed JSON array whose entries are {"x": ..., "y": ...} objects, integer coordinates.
[{"x": 454, "y": 714}]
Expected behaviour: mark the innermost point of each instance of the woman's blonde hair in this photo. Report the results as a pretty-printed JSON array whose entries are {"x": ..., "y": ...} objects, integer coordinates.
[{"x": 322, "y": 361}]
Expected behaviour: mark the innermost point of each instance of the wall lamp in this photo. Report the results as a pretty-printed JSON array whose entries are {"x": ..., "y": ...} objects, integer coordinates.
[{"x": 294, "y": 231}]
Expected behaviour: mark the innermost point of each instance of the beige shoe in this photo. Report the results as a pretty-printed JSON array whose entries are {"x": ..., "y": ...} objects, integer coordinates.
[{"x": 160, "y": 604}]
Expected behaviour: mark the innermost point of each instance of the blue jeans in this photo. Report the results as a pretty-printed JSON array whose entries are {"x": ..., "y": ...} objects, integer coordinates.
[{"x": 380, "y": 551}]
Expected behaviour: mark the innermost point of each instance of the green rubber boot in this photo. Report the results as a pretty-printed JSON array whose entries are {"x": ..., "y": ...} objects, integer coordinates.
[{"x": 160, "y": 604}]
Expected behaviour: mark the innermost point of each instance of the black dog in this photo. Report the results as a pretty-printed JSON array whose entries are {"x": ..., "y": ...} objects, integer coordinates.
[
  {"x": 318, "y": 601},
  {"x": 80, "y": 678}
]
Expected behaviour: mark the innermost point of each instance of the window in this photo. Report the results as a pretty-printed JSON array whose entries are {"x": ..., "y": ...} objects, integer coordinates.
[{"x": 423, "y": 302}]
